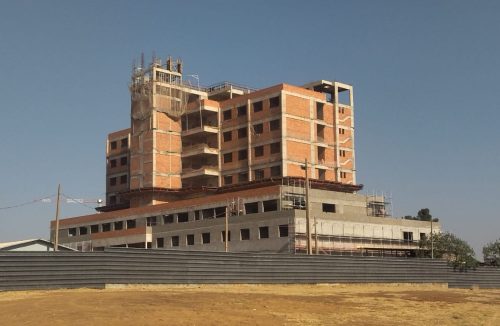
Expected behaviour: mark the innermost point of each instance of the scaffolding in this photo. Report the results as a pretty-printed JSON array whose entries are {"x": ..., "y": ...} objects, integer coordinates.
[
  {"x": 159, "y": 87},
  {"x": 294, "y": 196},
  {"x": 379, "y": 205}
]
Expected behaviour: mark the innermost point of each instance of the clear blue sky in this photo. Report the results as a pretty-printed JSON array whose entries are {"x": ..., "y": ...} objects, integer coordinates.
[{"x": 425, "y": 75}]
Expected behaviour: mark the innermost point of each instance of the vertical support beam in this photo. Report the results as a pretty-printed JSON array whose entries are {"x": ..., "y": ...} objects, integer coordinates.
[
  {"x": 335, "y": 97},
  {"x": 226, "y": 231},
  {"x": 308, "y": 219},
  {"x": 250, "y": 140},
  {"x": 312, "y": 135},
  {"x": 351, "y": 100},
  {"x": 432, "y": 241},
  {"x": 284, "y": 155},
  {"x": 56, "y": 242},
  {"x": 316, "y": 248}
]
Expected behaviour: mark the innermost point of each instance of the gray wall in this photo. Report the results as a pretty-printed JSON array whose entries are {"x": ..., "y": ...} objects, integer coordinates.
[{"x": 35, "y": 270}]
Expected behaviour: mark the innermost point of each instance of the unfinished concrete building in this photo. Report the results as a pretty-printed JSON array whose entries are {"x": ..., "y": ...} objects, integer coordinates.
[{"x": 199, "y": 164}]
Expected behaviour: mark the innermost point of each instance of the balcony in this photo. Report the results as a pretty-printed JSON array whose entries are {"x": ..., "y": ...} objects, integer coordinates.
[
  {"x": 200, "y": 130},
  {"x": 198, "y": 150}
]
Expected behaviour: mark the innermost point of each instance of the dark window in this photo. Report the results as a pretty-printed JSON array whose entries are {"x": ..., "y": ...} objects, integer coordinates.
[
  {"x": 243, "y": 177},
  {"x": 123, "y": 179},
  {"x": 321, "y": 174},
  {"x": 190, "y": 239},
  {"x": 159, "y": 243},
  {"x": 276, "y": 171},
  {"x": 113, "y": 145},
  {"x": 270, "y": 205},
  {"x": 227, "y": 114},
  {"x": 205, "y": 237},
  {"x": 106, "y": 227},
  {"x": 94, "y": 228},
  {"x": 274, "y": 102},
  {"x": 341, "y": 110},
  {"x": 320, "y": 133},
  {"x": 341, "y": 131},
  {"x": 112, "y": 163},
  {"x": 259, "y": 174},
  {"x": 407, "y": 236},
  {"x": 259, "y": 151},
  {"x": 242, "y": 133},
  {"x": 119, "y": 225},
  {"x": 208, "y": 213},
  {"x": 343, "y": 175},
  {"x": 112, "y": 200},
  {"x": 423, "y": 236},
  {"x": 168, "y": 219},
  {"x": 245, "y": 234},
  {"x": 83, "y": 230},
  {"x": 342, "y": 153},
  {"x": 283, "y": 231},
  {"x": 319, "y": 111},
  {"x": 175, "y": 241},
  {"x": 197, "y": 215},
  {"x": 257, "y": 106},
  {"x": 274, "y": 124},
  {"x": 71, "y": 232},
  {"x": 182, "y": 217},
  {"x": 112, "y": 181},
  {"x": 227, "y": 136},
  {"x": 258, "y": 128},
  {"x": 321, "y": 154},
  {"x": 124, "y": 142},
  {"x": 228, "y": 179},
  {"x": 242, "y": 111},
  {"x": 328, "y": 208},
  {"x": 263, "y": 232},
  {"x": 228, "y": 157},
  {"x": 275, "y": 148},
  {"x": 223, "y": 236},
  {"x": 151, "y": 220},
  {"x": 123, "y": 160},
  {"x": 220, "y": 211},
  {"x": 242, "y": 154},
  {"x": 131, "y": 224},
  {"x": 251, "y": 208}
]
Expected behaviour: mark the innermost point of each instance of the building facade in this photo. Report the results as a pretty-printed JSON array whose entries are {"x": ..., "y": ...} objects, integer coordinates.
[{"x": 198, "y": 159}]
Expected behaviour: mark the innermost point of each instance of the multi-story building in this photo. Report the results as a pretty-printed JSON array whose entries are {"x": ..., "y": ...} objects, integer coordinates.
[{"x": 193, "y": 154}]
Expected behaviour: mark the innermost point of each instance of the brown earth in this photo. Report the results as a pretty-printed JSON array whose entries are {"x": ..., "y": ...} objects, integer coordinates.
[{"x": 253, "y": 305}]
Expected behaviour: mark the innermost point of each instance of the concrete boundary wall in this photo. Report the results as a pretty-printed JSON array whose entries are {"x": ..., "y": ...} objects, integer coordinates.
[{"x": 45, "y": 270}]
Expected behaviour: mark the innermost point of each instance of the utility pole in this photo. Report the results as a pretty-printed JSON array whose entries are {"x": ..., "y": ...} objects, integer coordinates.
[
  {"x": 432, "y": 241},
  {"x": 308, "y": 220},
  {"x": 316, "y": 248},
  {"x": 226, "y": 231},
  {"x": 56, "y": 242}
]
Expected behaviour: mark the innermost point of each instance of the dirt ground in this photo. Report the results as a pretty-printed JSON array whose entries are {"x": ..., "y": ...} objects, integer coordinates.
[{"x": 253, "y": 305}]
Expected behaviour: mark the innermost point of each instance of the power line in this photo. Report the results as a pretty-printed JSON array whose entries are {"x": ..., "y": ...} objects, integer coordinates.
[
  {"x": 78, "y": 201},
  {"x": 46, "y": 199}
]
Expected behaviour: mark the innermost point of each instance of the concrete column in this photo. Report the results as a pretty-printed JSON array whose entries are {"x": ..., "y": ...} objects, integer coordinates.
[{"x": 284, "y": 167}]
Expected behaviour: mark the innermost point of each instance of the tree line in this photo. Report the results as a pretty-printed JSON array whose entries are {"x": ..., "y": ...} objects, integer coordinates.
[{"x": 456, "y": 251}]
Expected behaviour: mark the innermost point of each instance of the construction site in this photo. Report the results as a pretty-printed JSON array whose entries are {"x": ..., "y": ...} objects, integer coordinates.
[{"x": 231, "y": 168}]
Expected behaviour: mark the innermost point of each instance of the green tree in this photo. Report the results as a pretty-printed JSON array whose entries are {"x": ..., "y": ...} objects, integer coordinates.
[
  {"x": 491, "y": 253},
  {"x": 456, "y": 251},
  {"x": 422, "y": 215}
]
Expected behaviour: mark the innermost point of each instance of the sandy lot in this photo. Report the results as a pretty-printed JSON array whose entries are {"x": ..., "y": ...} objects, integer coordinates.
[{"x": 254, "y": 305}]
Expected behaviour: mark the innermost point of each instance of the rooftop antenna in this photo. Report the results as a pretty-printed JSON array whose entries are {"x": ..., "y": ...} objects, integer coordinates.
[{"x": 142, "y": 60}]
